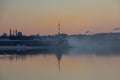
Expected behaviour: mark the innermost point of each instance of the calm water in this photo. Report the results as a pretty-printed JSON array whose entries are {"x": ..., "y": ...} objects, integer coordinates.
[{"x": 71, "y": 64}]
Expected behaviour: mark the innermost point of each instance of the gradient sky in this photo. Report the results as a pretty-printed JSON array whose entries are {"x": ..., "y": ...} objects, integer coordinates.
[{"x": 75, "y": 16}]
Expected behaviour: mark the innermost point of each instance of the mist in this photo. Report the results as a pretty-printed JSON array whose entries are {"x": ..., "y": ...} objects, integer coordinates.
[
  {"x": 95, "y": 42},
  {"x": 85, "y": 43}
]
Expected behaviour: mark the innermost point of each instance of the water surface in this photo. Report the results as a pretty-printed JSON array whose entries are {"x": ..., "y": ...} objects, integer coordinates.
[{"x": 60, "y": 65}]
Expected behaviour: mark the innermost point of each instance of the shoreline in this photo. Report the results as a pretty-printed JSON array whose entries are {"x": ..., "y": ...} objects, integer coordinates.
[{"x": 22, "y": 47}]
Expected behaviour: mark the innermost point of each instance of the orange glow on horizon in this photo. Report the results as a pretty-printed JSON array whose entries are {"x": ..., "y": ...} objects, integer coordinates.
[{"x": 75, "y": 17}]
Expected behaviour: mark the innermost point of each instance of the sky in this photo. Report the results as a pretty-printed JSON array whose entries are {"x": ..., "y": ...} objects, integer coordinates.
[{"x": 75, "y": 16}]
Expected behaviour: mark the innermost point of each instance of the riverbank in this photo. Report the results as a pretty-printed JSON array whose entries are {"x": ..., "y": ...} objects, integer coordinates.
[{"x": 22, "y": 47}]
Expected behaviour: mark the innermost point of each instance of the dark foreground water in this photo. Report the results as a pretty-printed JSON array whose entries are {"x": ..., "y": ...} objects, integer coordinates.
[{"x": 72, "y": 64}]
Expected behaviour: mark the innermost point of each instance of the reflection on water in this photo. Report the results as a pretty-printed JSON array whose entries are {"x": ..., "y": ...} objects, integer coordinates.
[{"x": 59, "y": 64}]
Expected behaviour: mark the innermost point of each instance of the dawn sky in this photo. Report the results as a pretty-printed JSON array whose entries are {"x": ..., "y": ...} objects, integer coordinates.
[{"x": 75, "y": 16}]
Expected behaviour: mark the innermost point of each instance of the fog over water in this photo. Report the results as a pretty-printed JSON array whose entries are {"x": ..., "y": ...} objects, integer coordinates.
[
  {"x": 77, "y": 43},
  {"x": 84, "y": 44}
]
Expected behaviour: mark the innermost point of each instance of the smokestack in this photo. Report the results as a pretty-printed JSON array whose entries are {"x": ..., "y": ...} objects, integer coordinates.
[
  {"x": 10, "y": 32},
  {"x": 58, "y": 29},
  {"x": 13, "y": 33},
  {"x": 16, "y": 32}
]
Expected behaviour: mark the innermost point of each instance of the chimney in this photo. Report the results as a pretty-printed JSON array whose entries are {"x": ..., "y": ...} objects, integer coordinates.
[
  {"x": 13, "y": 32},
  {"x": 16, "y": 32},
  {"x": 10, "y": 32}
]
